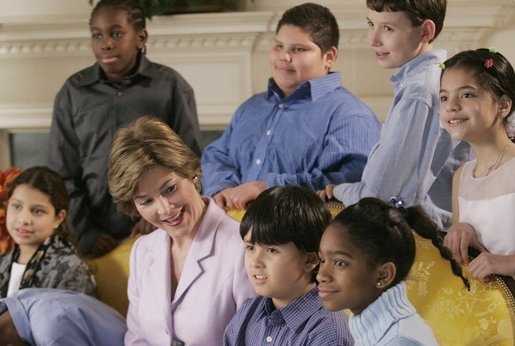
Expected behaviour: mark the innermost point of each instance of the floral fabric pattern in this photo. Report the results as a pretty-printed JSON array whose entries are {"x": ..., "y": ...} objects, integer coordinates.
[
  {"x": 6, "y": 177},
  {"x": 485, "y": 315}
]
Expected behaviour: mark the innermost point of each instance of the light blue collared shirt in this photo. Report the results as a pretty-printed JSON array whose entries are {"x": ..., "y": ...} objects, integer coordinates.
[
  {"x": 320, "y": 134},
  {"x": 56, "y": 317},
  {"x": 415, "y": 157}
]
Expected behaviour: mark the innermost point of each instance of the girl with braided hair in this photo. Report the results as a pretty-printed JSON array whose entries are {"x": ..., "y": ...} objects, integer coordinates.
[{"x": 366, "y": 254}]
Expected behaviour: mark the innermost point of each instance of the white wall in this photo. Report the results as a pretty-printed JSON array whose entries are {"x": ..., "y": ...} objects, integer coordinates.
[{"x": 223, "y": 55}]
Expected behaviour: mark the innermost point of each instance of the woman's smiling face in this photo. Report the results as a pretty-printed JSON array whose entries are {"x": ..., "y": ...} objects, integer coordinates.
[{"x": 169, "y": 201}]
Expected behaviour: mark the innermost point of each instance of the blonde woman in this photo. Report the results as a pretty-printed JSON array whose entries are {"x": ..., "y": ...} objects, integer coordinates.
[{"x": 187, "y": 278}]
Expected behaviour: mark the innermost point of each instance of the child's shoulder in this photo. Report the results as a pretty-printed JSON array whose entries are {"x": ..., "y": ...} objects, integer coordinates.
[
  {"x": 426, "y": 65},
  {"x": 84, "y": 76},
  {"x": 159, "y": 70},
  {"x": 419, "y": 79},
  {"x": 62, "y": 252}
]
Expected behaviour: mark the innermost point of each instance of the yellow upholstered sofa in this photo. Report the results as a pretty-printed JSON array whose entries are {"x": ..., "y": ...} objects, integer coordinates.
[
  {"x": 111, "y": 272},
  {"x": 485, "y": 315}
]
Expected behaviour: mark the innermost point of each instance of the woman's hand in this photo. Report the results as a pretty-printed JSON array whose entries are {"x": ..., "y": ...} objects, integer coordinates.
[
  {"x": 487, "y": 264},
  {"x": 459, "y": 238}
]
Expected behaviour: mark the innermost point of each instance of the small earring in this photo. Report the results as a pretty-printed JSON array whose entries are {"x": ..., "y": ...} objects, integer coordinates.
[
  {"x": 379, "y": 284},
  {"x": 196, "y": 183}
]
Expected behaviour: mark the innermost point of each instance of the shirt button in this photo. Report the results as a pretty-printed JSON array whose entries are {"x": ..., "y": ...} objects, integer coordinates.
[
  {"x": 269, "y": 132},
  {"x": 119, "y": 93},
  {"x": 258, "y": 162},
  {"x": 268, "y": 339},
  {"x": 281, "y": 105}
]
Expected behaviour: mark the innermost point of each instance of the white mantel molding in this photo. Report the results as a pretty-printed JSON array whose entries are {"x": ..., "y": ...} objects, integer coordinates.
[
  {"x": 228, "y": 47},
  {"x": 468, "y": 20},
  {"x": 474, "y": 15}
]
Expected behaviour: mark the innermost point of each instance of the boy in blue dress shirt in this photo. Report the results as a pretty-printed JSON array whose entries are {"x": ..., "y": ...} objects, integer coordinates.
[
  {"x": 306, "y": 130},
  {"x": 282, "y": 230}
]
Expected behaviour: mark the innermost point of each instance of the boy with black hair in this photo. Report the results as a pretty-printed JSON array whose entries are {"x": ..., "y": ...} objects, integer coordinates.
[{"x": 282, "y": 230}]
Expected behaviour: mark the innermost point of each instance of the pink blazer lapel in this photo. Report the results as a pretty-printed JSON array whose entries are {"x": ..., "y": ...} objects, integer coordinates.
[
  {"x": 201, "y": 248},
  {"x": 159, "y": 274}
]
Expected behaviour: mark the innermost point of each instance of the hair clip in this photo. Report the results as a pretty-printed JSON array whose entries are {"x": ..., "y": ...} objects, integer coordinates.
[
  {"x": 492, "y": 50},
  {"x": 442, "y": 66},
  {"x": 489, "y": 63},
  {"x": 399, "y": 204}
]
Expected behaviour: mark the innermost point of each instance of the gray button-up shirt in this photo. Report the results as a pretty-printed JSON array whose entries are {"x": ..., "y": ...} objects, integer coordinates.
[{"x": 87, "y": 112}]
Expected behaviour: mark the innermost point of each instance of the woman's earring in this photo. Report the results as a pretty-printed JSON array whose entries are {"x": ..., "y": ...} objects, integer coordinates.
[
  {"x": 196, "y": 183},
  {"x": 379, "y": 284}
]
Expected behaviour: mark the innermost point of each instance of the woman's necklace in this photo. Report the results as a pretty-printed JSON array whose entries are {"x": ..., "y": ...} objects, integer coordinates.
[{"x": 493, "y": 166}]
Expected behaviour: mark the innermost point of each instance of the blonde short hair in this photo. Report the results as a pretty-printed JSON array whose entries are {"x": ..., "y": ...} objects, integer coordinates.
[{"x": 144, "y": 144}]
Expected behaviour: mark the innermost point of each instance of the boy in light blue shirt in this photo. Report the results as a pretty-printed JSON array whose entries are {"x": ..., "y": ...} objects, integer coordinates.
[{"x": 415, "y": 157}]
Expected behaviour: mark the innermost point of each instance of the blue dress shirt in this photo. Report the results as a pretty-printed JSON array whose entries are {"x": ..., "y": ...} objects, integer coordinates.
[
  {"x": 88, "y": 111},
  {"x": 56, "y": 317},
  {"x": 320, "y": 134},
  {"x": 302, "y": 322}
]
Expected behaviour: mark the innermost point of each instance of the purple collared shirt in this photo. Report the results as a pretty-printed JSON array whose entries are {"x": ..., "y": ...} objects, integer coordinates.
[{"x": 302, "y": 322}]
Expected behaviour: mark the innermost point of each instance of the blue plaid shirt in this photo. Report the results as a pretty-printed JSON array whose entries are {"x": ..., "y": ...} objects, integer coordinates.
[{"x": 302, "y": 322}]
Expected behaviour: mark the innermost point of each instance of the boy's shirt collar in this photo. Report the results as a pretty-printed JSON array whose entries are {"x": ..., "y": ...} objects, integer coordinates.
[
  {"x": 434, "y": 56},
  {"x": 312, "y": 89},
  {"x": 296, "y": 312},
  {"x": 95, "y": 74}
]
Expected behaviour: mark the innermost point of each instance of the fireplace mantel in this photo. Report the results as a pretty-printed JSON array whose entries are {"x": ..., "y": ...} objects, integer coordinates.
[{"x": 224, "y": 56}]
